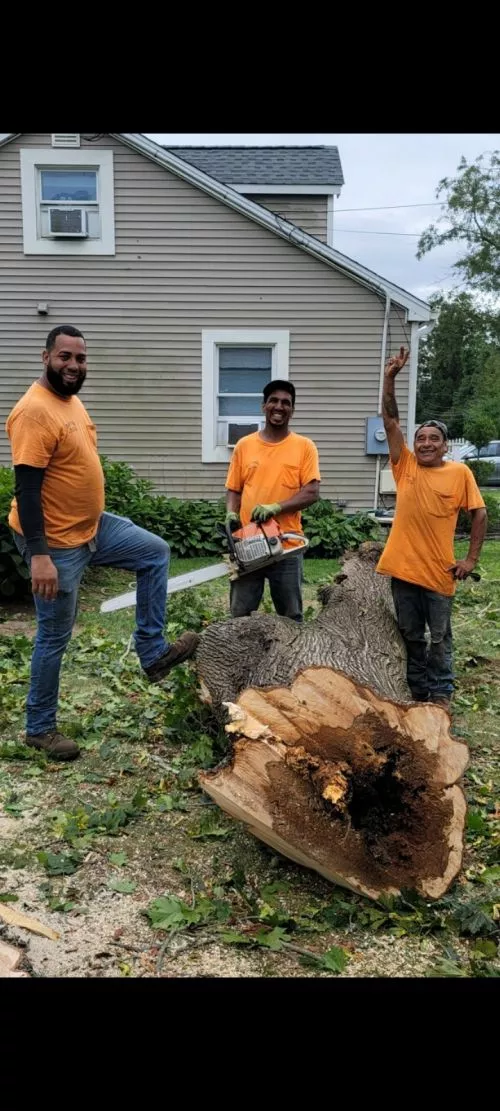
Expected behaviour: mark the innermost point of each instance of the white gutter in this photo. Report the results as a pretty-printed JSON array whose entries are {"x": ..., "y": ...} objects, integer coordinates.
[
  {"x": 417, "y": 309},
  {"x": 383, "y": 360}
]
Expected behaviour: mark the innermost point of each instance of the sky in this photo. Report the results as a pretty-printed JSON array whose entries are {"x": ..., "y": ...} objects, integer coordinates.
[{"x": 381, "y": 170}]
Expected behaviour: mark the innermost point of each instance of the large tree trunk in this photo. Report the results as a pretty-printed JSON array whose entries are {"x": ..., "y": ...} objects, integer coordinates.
[{"x": 330, "y": 762}]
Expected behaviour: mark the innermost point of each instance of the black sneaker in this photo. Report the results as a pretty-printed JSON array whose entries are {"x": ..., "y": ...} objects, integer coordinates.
[
  {"x": 179, "y": 651},
  {"x": 55, "y": 744}
]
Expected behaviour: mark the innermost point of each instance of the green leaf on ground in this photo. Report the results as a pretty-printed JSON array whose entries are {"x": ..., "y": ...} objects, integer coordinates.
[
  {"x": 274, "y": 939},
  {"x": 60, "y": 864},
  {"x": 232, "y": 937},
  {"x": 490, "y": 875},
  {"x": 484, "y": 949},
  {"x": 168, "y": 913},
  {"x": 124, "y": 887},
  {"x": 335, "y": 959},
  {"x": 118, "y": 858},
  {"x": 210, "y": 826}
]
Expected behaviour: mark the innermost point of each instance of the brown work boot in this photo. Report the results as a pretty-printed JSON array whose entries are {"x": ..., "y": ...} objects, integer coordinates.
[
  {"x": 55, "y": 744},
  {"x": 179, "y": 651},
  {"x": 442, "y": 701}
]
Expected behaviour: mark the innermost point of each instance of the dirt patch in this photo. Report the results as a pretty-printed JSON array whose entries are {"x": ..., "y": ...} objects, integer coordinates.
[
  {"x": 18, "y": 627},
  {"x": 25, "y": 627}
]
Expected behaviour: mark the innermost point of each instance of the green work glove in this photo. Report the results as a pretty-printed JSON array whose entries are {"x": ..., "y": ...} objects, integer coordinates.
[
  {"x": 233, "y": 520},
  {"x": 262, "y": 513}
]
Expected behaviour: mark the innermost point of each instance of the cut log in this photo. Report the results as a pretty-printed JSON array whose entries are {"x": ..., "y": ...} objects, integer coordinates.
[{"x": 330, "y": 762}]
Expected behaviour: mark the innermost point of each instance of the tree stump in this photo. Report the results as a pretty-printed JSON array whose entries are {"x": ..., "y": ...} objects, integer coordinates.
[{"x": 330, "y": 761}]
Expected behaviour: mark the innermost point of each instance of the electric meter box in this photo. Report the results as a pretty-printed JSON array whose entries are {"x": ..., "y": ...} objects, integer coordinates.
[{"x": 376, "y": 439}]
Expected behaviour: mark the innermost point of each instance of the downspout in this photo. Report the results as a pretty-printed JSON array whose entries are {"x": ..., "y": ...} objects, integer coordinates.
[
  {"x": 412, "y": 383},
  {"x": 383, "y": 360}
]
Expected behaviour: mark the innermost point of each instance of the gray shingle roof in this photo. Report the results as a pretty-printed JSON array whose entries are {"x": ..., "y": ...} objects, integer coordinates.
[{"x": 266, "y": 165}]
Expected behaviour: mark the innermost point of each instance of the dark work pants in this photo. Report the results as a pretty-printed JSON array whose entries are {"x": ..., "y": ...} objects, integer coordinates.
[
  {"x": 430, "y": 666},
  {"x": 285, "y": 584}
]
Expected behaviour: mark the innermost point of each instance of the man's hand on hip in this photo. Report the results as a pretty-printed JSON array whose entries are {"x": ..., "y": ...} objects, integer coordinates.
[
  {"x": 44, "y": 577},
  {"x": 262, "y": 513},
  {"x": 463, "y": 568}
]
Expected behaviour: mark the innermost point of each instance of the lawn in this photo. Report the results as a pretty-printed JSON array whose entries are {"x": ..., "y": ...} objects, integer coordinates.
[{"x": 141, "y": 875}]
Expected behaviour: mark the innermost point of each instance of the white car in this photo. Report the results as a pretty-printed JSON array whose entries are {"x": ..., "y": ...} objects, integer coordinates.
[{"x": 490, "y": 453}]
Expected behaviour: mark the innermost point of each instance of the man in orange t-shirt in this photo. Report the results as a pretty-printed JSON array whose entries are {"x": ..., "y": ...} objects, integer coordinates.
[
  {"x": 60, "y": 528},
  {"x": 419, "y": 551},
  {"x": 273, "y": 473}
]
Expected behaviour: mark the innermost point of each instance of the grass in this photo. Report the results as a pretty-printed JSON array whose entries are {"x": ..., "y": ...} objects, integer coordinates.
[{"x": 123, "y": 840}]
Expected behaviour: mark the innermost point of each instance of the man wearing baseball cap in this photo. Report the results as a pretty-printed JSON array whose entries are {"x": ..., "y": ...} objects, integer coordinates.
[{"x": 419, "y": 553}]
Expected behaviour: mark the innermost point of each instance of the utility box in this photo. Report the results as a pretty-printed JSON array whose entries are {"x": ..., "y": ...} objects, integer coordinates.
[
  {"x": 387, "y": 484},
  {"x": 376, "y": 439}
]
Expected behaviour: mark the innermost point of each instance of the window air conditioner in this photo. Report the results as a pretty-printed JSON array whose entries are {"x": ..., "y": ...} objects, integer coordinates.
[
  {"x": 235, "y": 431},
  {"x": 68, "y": 223}
]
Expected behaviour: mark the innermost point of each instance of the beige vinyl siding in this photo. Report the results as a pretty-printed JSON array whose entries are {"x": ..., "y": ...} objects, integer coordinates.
[
  {"x": 184, "y": 262},
  {"x": 308, "y": 212}
]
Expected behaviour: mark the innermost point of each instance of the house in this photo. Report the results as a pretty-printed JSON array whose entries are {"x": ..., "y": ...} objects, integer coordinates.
[{"x": 192, "y": 292}]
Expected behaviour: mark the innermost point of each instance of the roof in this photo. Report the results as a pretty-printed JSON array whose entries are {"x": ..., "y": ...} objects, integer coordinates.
[
  {"x": 417, "y": 309},
  {"x": 266, "y": 165}
]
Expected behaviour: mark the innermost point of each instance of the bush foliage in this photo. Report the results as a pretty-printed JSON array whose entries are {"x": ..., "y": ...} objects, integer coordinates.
[{"x": 189, "y": 526}]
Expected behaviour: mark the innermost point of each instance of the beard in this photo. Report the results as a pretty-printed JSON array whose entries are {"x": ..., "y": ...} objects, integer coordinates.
[{"x": 64, "y": 389}]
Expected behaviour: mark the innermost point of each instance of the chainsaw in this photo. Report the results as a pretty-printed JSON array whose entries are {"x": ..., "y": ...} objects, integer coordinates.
[
  {"x": 256, "y": 546},
  {"x": 250, "y": 548}
]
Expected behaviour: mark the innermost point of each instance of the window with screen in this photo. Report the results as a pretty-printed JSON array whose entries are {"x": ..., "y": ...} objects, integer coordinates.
[{"x": 68, "y": 189}]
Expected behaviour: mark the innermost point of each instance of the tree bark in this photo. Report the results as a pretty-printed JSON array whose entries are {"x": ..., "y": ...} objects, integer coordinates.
[{"x": 330, "y": 762}]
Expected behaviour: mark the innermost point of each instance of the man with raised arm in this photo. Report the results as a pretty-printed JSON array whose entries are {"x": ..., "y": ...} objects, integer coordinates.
[{"x": 419, "y": 551}]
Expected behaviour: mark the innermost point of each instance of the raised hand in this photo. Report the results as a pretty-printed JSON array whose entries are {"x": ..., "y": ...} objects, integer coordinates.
[{"x": 397, "y": 362}]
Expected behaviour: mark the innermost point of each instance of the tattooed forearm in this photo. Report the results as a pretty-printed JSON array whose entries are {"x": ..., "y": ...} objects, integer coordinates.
[{"x": 389, "y": 406}]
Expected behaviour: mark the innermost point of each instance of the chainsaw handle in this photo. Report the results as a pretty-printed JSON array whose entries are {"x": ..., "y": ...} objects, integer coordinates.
[
  {"x": 225, "y": 531},
  {"x": 304, "y": 543}
]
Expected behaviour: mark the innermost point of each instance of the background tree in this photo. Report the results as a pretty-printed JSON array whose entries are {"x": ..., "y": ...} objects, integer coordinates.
[
  {"x": 459, "y": 365},
  {"x": 471, "y": 216}
]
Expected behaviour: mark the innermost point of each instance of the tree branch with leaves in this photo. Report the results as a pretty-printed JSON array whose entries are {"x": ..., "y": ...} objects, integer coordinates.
[{"x": 471, "y": 215}]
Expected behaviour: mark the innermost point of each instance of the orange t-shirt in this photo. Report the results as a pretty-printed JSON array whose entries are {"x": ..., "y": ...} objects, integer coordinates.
[
  {"x": 419, "y": 548},
  {"x": 263, "y": 473},
  {"x": 57, "y": 434}
]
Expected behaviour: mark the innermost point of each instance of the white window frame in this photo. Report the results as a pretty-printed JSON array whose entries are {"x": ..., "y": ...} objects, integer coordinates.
[
  {"x": 213, "y": 338},
  {"x": 34, "y": 159}
]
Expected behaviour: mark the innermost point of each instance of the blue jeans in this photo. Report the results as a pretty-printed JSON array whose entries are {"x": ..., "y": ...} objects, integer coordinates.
[
  {"x": 285, "y": 584},
  {"x": 429, "y": 666},
  {"x": 118, "y": 543}
]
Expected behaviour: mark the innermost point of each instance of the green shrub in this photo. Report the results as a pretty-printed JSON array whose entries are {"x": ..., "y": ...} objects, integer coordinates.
[
  {"x": 127, "y": 495},
  {"x": 331, "y": 532},
  {"x": 14, "y": 575},
  {"x": 493, "y": 509},
  {"x": 189, "y": 526},
  {"x": 481, "y": 470}
]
